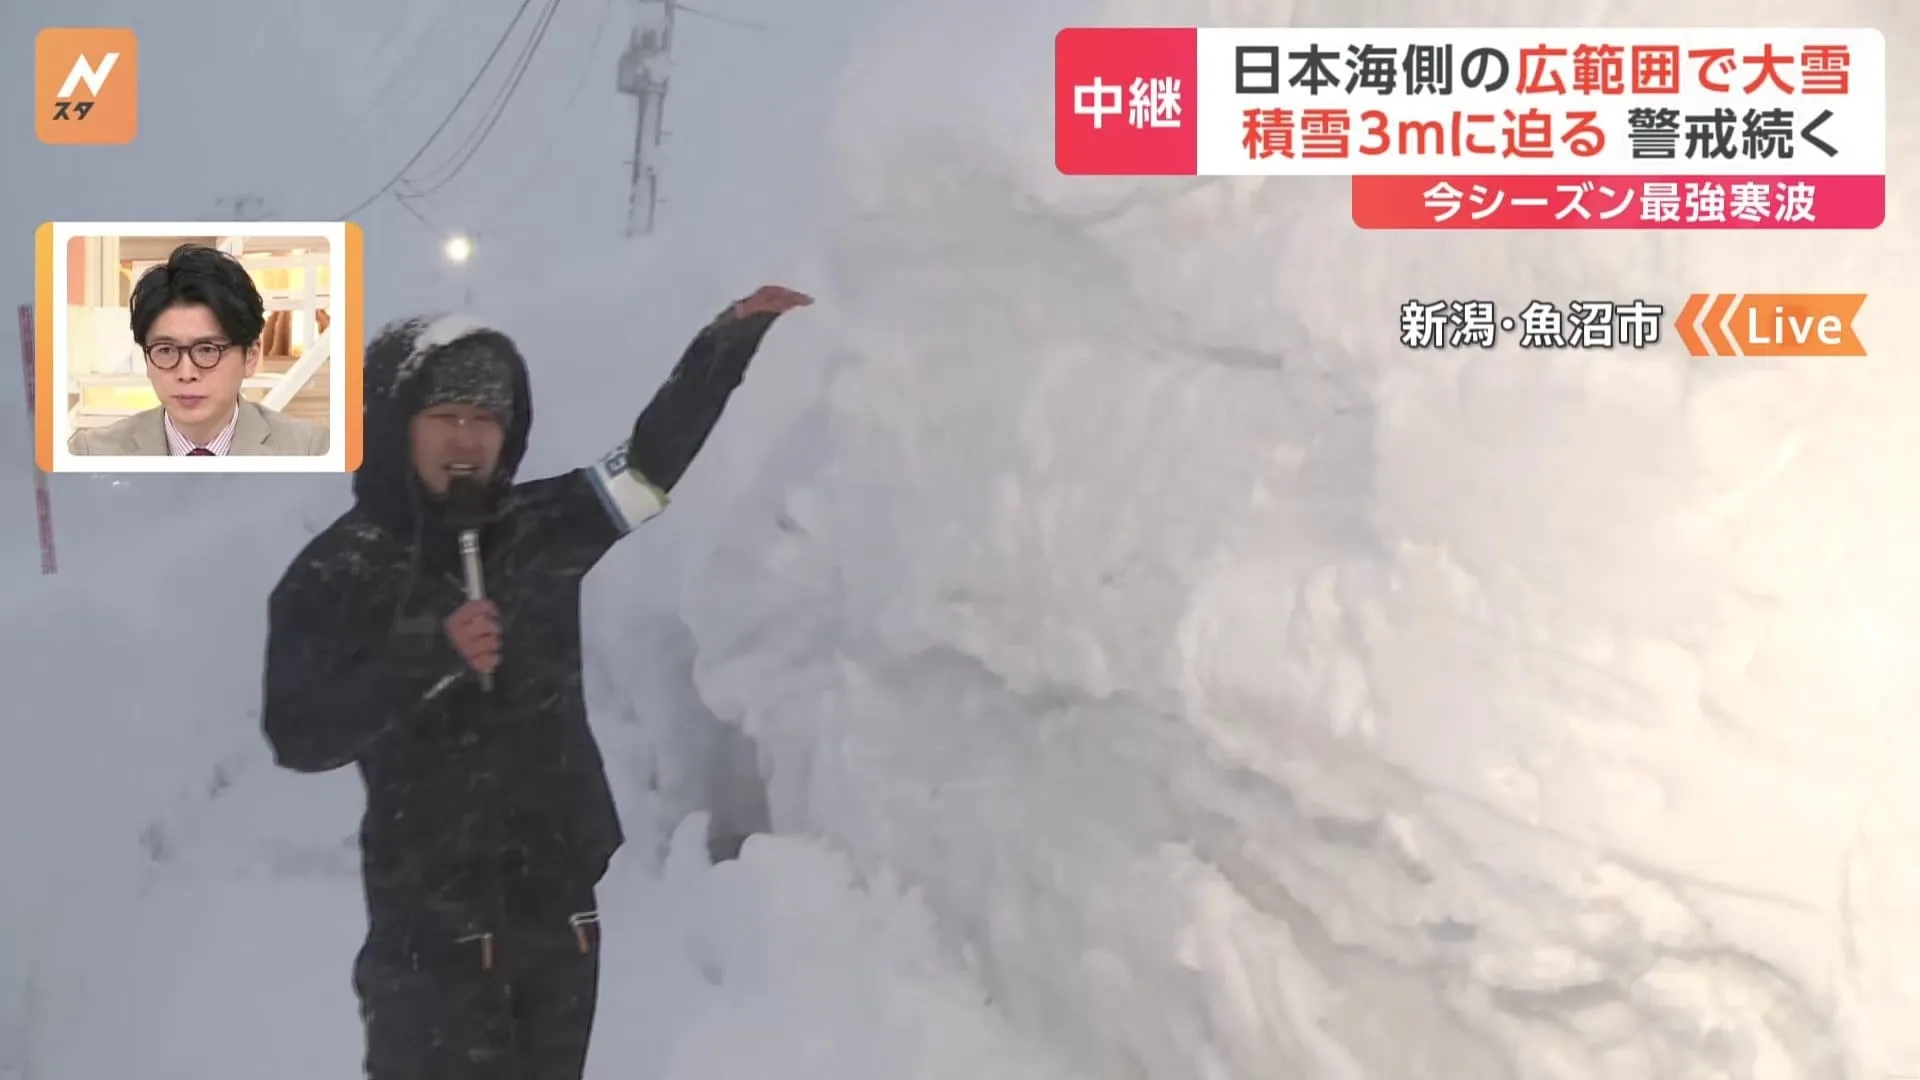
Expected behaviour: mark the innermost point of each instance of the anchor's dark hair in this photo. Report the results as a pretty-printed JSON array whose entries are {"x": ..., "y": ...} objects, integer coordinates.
[{"x": 198, "y": 274}]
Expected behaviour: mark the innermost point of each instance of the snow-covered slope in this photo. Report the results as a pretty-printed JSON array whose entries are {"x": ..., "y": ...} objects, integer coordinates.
[{"x": 1260, "y": 699}]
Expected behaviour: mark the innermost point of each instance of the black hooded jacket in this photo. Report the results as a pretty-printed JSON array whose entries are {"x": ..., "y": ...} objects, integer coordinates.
[{"x": 482, "y": 806}]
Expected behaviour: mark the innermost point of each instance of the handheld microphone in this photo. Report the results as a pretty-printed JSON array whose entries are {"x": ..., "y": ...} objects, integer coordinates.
[{"x": 476, "y": 580}]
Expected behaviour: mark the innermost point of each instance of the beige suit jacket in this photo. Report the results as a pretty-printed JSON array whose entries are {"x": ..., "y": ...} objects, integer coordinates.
[{"x": 259, "y": 432}]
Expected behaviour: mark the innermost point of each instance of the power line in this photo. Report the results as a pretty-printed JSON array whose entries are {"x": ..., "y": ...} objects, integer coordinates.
[
  {"x": 436, "y": 230},
  {"x": 375, "y": 102},
  {"x": 451, "y": 113},
  {"x": 593, "y": 50},
  {"x": 504, "y": 99},
  {"x": 540, "y": 33},
  {"x": 436, "y": 174},
  {"x": 539, "y": 161},
  {"x": 730, "y": 20}
]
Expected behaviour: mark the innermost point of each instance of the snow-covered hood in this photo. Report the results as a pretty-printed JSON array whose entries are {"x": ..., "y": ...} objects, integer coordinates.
[{"x": 398, "y": 355}]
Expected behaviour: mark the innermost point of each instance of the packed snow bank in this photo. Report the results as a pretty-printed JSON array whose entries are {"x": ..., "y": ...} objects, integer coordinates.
[
  {"x": 1262, "y": 699},
  {"x": 133, "y": 693},
  {"x": 787, "y": 963}
]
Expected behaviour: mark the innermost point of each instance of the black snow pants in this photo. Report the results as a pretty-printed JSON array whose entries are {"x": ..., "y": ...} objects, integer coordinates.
[{"x": 512, "y": 1006}]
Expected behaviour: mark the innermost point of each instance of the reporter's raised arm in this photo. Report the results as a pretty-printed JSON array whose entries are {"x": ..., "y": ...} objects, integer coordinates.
[{"x": 630, "y": 485}]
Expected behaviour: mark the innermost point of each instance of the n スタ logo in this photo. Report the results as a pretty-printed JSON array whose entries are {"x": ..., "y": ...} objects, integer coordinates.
[{"x": 86, "y": 86}]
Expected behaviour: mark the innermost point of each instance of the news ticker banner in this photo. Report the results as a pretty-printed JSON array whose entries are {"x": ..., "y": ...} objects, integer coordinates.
[
  {"x": 1498, "y": 128},
  {"x": 1707, "y": 324},
  {"x": 90, "y": 373}
]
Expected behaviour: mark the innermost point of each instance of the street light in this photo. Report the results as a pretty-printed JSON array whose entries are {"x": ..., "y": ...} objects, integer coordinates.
[{"x": 459, "y": 249}]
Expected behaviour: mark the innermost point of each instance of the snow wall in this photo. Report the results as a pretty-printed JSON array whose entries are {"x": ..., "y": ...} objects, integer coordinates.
[{"x": 1255, "y": 698}]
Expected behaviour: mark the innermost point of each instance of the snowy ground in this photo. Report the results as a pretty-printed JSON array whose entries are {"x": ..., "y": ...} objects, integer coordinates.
[
  {"x": 1158, "y": 673},
  {"x": 780, "y": 964}
]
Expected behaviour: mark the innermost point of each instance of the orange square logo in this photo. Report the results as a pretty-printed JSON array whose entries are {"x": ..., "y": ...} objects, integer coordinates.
[{"x": 86, "y": 86}]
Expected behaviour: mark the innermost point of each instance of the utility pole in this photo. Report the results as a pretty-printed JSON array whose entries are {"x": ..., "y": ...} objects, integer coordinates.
[{"x": 643, "y": 77}]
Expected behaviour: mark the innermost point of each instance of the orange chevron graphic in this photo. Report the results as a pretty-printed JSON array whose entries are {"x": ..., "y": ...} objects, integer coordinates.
[
  {"x": 1770, "y": 324},
  {"x": 1683, "y": 324},
  {"x": 1715, "y": 325}
]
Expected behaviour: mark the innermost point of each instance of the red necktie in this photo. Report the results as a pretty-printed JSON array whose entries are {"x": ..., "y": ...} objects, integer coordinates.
[{"x": 199, "y": 451}]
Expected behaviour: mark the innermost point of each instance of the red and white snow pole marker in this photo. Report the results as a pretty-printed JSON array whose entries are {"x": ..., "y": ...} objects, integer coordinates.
[{"x": 42, "y": 498}]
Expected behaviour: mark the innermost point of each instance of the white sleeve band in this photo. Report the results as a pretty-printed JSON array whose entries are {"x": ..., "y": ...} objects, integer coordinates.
[{"x": 629, "y": 498}]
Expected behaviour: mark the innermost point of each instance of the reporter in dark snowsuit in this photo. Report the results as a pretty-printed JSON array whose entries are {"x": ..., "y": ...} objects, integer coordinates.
[{"x": 489, "y": 821}]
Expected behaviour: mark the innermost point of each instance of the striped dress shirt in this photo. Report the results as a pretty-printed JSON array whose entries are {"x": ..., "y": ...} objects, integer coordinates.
[{"x": 179, "y": 445}]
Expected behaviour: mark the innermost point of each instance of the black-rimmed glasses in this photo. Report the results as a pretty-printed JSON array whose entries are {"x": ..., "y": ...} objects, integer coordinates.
[{"x": 206, "y": 355}]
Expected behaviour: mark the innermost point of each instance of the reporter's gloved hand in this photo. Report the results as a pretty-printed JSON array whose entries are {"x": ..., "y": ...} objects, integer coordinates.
[{"x": 770, "y": 300}]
